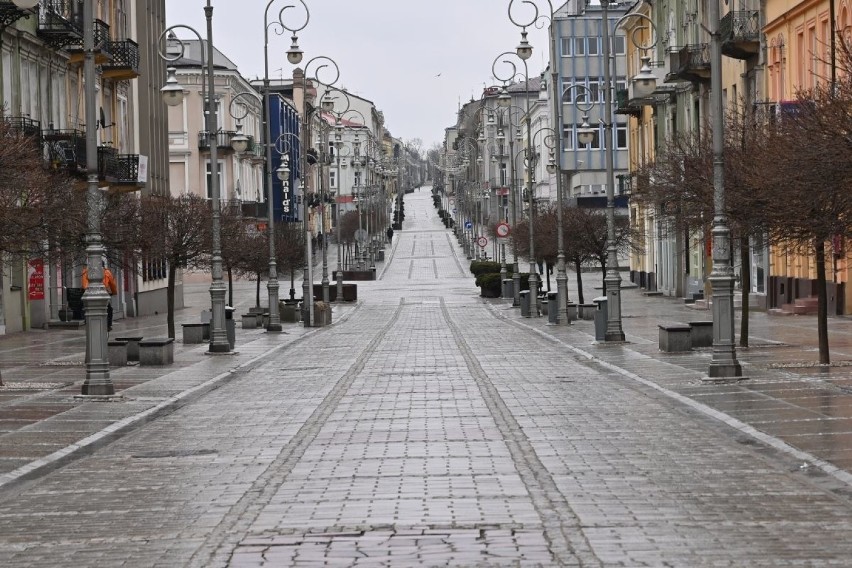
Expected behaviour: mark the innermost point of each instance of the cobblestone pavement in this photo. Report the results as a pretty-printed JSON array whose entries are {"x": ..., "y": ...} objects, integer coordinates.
[{"x": 429, "y": 427}]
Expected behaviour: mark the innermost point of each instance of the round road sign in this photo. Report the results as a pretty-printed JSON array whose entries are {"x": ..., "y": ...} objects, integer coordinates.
[
  {"x": 482, "y": 242},
  {"x": 503, "y": 230}
]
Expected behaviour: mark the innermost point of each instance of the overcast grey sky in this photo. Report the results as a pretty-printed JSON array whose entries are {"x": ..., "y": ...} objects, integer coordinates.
[{"x": 389, "y": 51}]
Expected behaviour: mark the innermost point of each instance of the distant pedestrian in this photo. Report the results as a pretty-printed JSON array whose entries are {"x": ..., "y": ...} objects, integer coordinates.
[
  {"x": 390, "y": 234},
  {"x": 111, "y": 288}
]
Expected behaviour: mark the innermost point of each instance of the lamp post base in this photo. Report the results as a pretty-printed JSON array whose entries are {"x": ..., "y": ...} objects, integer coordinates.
[{"x": 274, "y": 328}]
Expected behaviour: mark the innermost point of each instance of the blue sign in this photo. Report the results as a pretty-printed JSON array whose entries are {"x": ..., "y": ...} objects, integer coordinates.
[{"x": 468, "y": 225}]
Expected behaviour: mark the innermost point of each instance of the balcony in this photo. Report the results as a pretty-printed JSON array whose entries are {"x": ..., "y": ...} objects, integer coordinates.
[
  {"x": 124, "y": 64},
  {"x": 102, "y": 54},
  {"x": 740, "y": 33},
  {"x": 690, "y": 63},
  {"x": 255, "y": 210},
  {"x": 128, "y": 170},
  {"x": 623, "y": 104},
  {"x": 60, "y": 23},
  {"x": 223, "y": 140},
  {"x": 9, "y": 14},
  {"x": 65, "y": 149}
]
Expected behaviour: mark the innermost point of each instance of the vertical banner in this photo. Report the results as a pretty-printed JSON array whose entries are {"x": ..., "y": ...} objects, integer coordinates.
[{"x": 35, "y": 274}]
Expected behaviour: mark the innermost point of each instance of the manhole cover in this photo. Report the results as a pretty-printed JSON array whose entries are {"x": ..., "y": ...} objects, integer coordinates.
[{"x": 173, "y": 454}]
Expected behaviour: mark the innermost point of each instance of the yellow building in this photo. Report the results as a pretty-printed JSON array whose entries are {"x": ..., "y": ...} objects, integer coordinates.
[{"x": 799, "y": 56}]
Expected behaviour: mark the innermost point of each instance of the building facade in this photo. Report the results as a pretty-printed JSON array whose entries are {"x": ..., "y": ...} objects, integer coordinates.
[{"x": 43, "y": 91}]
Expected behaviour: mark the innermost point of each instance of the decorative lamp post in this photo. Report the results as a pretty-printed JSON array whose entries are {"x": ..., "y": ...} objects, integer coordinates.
[
  {"x": 272, "y": 286},
  {"x": 723, "y": 362},
  {"x": 524, "y": 50},
  {"x": 173, "y": 95},
  {"x": 504, "y": 100},
  {"x": 96, "y": 298}
]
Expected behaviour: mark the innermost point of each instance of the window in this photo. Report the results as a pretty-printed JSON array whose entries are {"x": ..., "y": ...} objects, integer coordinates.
[
  {"x": 219, "y": 176},
  {"x": 332, "y": 179},
  {"x": 621, "y": 136},
  {"x": 357, "y": 179},
  {"x": 619, "y": 46},
  {"x": 579, "y": 46},
  {"x": 592, "y": 46},
  {"x": 503, "y": 174},
  {"x": 595, "y": 92},
  {"x": 566, "y": 46},
  {"x": 568, "y": 138}
]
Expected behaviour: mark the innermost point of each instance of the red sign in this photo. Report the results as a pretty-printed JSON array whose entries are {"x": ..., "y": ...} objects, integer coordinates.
[
  {"x": 35, "y": 274},
  {"x": 503, "y": 230}
]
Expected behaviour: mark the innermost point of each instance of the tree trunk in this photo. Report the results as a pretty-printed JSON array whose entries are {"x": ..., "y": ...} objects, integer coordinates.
[
  {"x": 230, "y": 286},
  {"x": 170, "y": 299},
  {"x": 745, "y": 257},
  {"x": 578, "y": 267},
  {"x": 822, "y": 305},
  {"x": 257, "y": 292}
]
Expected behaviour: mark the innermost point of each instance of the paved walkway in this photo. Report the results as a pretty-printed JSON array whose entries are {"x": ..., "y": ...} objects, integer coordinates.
[{"x": 428, "y": 426}]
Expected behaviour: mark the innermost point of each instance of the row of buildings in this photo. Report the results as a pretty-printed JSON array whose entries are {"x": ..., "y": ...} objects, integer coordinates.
[
  {"x": 771, "y": 50},
  {"x": 162, "y": 150}
]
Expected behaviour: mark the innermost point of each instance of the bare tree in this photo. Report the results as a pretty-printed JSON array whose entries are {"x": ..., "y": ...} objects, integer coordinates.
[{"x": 176, "y": 229}]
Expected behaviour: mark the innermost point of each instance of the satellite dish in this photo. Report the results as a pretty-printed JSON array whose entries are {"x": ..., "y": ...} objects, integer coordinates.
[{"x": 102, "y": 120}]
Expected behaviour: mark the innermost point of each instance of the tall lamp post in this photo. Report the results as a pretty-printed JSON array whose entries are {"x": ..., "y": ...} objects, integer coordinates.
[
  {"x": 524, "y": 51},
  {"x": 173, "y": 94},
  {"x": 502, "y": 137},
  {"x": 274, "y": 322},
  {"x": 644, "y": 84},
  {"x": 505, "y": 100},
  {"x": 327, "y": 105},
  {"x": 723, "y": 362},
  {"x": 96, "y": 298}
]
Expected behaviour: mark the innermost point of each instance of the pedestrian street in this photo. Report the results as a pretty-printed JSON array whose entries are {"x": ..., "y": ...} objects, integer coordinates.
[{"x": 429, "y": 427}]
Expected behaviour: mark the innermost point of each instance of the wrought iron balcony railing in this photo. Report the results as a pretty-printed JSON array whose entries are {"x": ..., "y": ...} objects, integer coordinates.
[
  {"x": 60, "y": 22},
  {"x": 222, "y": 140},
  {"x": 125, "y": 60}
]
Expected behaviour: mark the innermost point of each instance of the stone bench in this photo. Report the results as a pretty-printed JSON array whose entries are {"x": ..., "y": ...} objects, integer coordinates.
[
  {"x": 195, "y": 332},
  {"x": 587, "y": 311},
  {"x": 289, "y": 312},
  {"x": 117, "y": 352},
  {"x": 132, "y": 347},
  {"x": 675, "y": 337},
  {"x": 701, "y": 333},
  {"x": 250, "y": 321},
  {"x": 157, "y": 351}
]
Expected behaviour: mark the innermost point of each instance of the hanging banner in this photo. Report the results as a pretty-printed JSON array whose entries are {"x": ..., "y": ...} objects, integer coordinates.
[{"x": 35, "y": 279}]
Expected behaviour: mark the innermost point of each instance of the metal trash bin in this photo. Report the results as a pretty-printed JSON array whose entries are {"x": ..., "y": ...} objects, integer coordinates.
[
  {"x": 600, "y": 318},
  {"x": 508, "y": 291},
  {"x": 525, "y": 303},
  {"x": 552, "y": 307},
  {"x": 230, "y": 326}
]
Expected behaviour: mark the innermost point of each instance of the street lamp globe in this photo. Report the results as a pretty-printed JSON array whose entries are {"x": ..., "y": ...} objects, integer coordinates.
[
  {"x": 283, "y": 171},
  {"x": 524, "y": 49},
  {"x": 172, "y": 91},
  {"x": 239, "y": 141},
  {"x": 327, "y": 102},
  {"x": 551, "y": 163},
  {"x": 645, "y": 83},
  {"x": 25, "y": 4},
  {"x": 586, "y": 134},
  {"x": 294, "y": 54},
  {"x": 505, "y": 99}
]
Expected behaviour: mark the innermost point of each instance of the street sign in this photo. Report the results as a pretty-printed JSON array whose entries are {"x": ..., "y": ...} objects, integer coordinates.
[
  {"x": 482, "y": 242},
  {"x": 468, "y": 225},
  {"x": 503, "y": 230},
  {"x": 455, "y": 210}
]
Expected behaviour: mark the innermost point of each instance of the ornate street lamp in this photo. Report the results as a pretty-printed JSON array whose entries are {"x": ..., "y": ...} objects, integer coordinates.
[
  {"x": 723, "y": 363},
  {"x": 96, "y": 298},
  {"x": 557, "y": 125},
  {"x": 504, "y": 100},
  {"x": 173, "y": 96}
]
